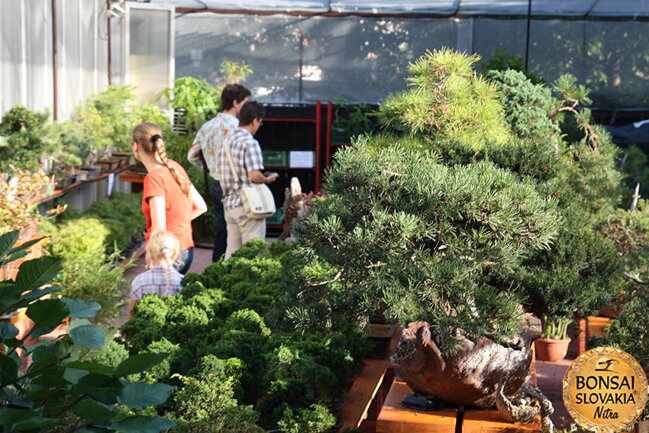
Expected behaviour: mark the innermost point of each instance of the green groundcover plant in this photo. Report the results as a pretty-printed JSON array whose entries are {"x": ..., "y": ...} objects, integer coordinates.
[
  {"x": 63, "y": 388},
  {"x": 235, "y": 369},
  {"x": 91, "y": 244}
]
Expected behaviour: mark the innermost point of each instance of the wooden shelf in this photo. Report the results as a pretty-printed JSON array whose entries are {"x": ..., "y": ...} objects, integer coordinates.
[
  {"x": 491, "y": 421},
  {"x": 394, "y": 418},
  {"x": 132, "y": 177},
  {"x": 61, "y": 192}
]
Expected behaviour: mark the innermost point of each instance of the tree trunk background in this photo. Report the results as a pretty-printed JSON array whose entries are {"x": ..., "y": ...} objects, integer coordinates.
[{"x": 470, "y": 376}]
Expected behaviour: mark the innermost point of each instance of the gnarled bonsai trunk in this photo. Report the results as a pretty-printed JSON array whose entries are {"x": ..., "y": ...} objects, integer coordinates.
[{"x": 470, "y": 376}]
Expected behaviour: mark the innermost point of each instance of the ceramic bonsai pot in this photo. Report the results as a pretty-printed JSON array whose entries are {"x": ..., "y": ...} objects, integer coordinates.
[{"x": 469, "y": 375}]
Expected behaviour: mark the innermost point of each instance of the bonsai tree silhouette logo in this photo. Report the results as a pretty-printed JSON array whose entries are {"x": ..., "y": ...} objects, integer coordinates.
[{"x": 607, "y": 365}]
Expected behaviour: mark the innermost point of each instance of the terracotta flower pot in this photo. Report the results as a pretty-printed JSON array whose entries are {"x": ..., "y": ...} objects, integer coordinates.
[{"x": 551, "y": 350}]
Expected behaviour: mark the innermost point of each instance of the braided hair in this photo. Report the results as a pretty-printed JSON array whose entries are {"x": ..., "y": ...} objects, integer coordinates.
[{"x": 149, "y": 137}]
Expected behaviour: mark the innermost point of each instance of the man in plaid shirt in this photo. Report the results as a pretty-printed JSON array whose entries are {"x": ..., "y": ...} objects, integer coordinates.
[
  {"x": 208, "y": 143},
  {"x": 248, "y": 163}
]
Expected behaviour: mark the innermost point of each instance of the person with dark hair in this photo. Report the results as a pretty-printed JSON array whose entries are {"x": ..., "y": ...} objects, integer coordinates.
[
  {"x": 207, "y": 145},
  {"x": 247, "y": 161},
  {"x": 170, "y": 201}
]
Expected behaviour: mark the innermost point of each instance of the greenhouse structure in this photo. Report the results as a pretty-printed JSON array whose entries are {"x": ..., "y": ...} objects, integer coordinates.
[{"x": 303, "y": 51}]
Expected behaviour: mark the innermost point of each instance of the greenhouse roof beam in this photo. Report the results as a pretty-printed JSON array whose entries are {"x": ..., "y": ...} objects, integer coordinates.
[{"x": 573, "y": 9}]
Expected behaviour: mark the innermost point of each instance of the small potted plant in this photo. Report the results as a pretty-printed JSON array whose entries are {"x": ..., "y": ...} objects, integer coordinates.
[
  {"x": 554, "y": 341},
  {"x": 575, "y": 277}
]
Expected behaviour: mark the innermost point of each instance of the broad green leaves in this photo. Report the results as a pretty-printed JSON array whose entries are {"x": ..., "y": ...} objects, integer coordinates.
[
  {"x": 35, "y": 273},
  {"x": 60, "y": 385},
  {"x": 91, "y": 336},
  {"x": 81, "y": 309},
  {"x": 91, "y": 409},
  {"x": 142, "y": 424},
  {"x": 50, "y": 312},
  {"x": 139, "y": 363},
  {"x": 7, "y": 331},
  {"x": 139, "y": 395}
]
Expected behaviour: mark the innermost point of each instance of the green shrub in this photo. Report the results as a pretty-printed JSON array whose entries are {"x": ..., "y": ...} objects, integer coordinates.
[
  {"x": 122, "y": 215},
  {"x": 630, "y": 331},
  {"x": 501, "y": 60},
  {"x": 177, "y": 361},
  {"x": 250, "y": 348},
  {"x": 153, "y": 309},
  {"x": 315, "y": 419},
  {"x": 246, "y": 320},
  {"x": 374, "y": 230},
  {"x": 107, "y": 118},
  {"x": 139, "y": 334},
  {"x": 88, "y": 272},
  {"x": 527, "y": 106},
  {"x": 283, "y": 393},
  {"x": 447, "y": 100}
]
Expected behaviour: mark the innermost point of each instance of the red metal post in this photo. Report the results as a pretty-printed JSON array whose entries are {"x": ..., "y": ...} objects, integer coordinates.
[
  {"x": 328, "y": 143},
  {"x": 318, "y": 133}
]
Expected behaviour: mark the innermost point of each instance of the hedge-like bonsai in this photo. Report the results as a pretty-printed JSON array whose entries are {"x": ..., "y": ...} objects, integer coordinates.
[
  {"x": 22, "y": 139},
  {"x": 471, "y": 210}
]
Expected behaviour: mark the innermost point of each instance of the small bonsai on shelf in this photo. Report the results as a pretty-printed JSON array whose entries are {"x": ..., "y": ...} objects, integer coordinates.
[{"x": 22, "y": 139}]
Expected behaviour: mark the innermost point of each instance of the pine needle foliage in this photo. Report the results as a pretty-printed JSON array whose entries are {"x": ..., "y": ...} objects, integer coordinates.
[
  {"x": 472, "y": 207},
  {"x": 422, "y": 241},
  {"x": 447, "y": 99},
  {"x": 526, "y": 106}
]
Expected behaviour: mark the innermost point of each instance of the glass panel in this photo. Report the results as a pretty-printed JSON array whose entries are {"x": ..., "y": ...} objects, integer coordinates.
[
  {"x": 148, "y": 63},
  {"x": 269, "y": 44},
  {"x": 365, "y": 59}
]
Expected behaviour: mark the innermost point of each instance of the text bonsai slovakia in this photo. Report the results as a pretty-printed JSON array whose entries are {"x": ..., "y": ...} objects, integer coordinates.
[{"x": 605, "y": 390}]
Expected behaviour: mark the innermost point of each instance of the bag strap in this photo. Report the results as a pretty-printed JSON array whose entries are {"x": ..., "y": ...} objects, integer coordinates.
[{"x": 226, "y": 145}]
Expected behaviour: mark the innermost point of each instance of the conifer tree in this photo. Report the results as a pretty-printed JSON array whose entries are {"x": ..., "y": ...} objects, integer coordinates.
[{"x": 471, "y": 208}]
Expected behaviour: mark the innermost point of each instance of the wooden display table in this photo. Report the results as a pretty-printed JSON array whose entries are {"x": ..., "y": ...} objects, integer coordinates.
[
  {"x": 395, "y": 418},
  {"x": 491, "y": 421},
  {"x": 366, "y": 396}
]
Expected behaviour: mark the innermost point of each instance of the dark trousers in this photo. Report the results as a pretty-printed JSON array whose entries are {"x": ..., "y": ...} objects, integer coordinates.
[
  {"x": 185, "y": 260},
  {"x": 220, "y": 230}
]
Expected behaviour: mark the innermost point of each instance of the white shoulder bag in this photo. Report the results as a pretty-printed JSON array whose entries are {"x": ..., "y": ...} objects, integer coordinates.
[{"x": 258, "y": 200}]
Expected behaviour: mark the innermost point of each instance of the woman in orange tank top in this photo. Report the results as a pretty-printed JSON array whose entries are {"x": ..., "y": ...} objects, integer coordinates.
[{"x": 170, "y": 201}]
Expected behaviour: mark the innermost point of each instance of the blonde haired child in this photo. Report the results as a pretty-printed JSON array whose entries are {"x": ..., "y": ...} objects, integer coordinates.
[{"x": 162, "y": 251}]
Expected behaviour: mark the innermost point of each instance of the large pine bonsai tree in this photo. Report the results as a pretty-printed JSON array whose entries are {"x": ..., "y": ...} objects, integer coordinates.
[{"x": 471, "y": 208}]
